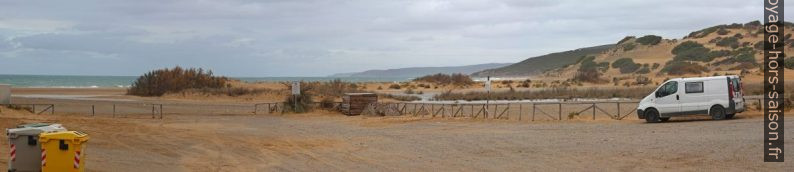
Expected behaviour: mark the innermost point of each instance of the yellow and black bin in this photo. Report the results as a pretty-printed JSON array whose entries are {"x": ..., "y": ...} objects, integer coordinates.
[{"x": 63, "y": 151}]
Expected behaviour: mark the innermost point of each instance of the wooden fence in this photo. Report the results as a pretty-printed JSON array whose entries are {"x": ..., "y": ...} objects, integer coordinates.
[
  {"x": 616, "y": 110},
  {"x": 521, "y": 111}
]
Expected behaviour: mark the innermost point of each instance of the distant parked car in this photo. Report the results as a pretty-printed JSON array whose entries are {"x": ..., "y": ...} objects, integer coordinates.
[{"x": 720, "y": 97}]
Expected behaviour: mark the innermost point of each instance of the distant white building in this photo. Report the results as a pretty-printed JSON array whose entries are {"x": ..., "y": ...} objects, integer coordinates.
[{"x": 5, "y": 94}]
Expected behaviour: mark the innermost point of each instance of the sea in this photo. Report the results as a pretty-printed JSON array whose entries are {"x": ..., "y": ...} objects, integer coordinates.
[{"x": 83, "y": 81}]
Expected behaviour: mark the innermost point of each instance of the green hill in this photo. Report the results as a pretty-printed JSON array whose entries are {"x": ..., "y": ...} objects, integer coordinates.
[{"x": 539, "y": 64}]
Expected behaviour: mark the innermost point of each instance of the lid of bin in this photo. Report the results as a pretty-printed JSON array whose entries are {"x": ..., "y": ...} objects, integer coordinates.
[
  {"x": 359, "y": 94},
  {"x": 33, "y": 131},
  {"x": 74, "y": 136},
  {"x": 32, "y": 125}
]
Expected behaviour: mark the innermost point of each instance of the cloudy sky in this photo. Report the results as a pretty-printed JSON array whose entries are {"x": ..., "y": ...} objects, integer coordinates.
[{"x": 321, "y": 37}]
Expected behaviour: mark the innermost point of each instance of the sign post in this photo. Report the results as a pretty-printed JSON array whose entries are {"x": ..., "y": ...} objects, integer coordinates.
[
  {"x": 488, "y": 90},
  {"x": 296, "y": 90}
]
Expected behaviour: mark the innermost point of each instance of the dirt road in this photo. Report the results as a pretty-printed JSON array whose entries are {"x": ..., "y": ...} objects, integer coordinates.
[{"x": 337, "y": 143}]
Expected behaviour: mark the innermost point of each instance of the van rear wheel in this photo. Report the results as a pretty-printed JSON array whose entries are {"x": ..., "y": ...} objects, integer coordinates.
[
  {"x": 652, "y": 116},
  {"x": 717, "y": 112}
]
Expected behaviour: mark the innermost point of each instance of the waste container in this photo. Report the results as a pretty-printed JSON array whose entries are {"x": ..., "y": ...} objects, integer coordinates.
[
  {"x": 63, "y": 151},
  {"x": 25, "y": 154},
  {"x": 31, "y": 125}
]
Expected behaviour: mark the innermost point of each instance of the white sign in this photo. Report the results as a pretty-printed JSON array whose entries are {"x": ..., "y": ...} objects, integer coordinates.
[{"x": 296, "y": 88}]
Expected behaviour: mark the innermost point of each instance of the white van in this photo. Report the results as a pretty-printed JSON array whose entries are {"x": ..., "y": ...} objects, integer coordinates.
[{"x": 720, "y": 97}]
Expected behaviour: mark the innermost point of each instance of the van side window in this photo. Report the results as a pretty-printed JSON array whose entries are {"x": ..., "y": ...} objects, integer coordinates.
[
  {"x": 693, "y": 87},
  {"x": 668, "y": 89}
]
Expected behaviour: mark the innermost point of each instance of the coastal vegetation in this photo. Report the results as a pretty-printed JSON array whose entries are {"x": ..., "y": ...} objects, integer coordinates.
[
  {"x": 161, "y": 81},
  {"x": 456, "y": 79}
]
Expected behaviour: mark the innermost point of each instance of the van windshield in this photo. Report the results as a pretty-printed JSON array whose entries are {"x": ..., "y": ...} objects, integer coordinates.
[{"x": 667, "y": 89}]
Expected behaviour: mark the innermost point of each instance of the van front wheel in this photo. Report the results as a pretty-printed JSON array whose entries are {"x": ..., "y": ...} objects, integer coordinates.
[
  {"x": 652, "y": 116},
  {"x": 717, "y": 112}
]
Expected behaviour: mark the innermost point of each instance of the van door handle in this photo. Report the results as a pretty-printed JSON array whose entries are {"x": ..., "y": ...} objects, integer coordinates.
[{"x": 676, "y": 97}]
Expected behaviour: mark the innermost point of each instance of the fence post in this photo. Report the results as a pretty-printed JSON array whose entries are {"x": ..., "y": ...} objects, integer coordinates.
[
  {"x": 533, "y": 111},
  {"x": 593, "y": 111},
  {"x": 114, "y": 110},
  {"x": 152, "y": 111},
  {"x": 559, "y": 112},
  {"x": 52, "y": 112},
  {"x": 472, "y": 110},
  {"x": 93, "y": 111},
  {"x": 619, "y": 114},
  {"x": 520, "y": 109},
  {"x": 161, "y": 111}
]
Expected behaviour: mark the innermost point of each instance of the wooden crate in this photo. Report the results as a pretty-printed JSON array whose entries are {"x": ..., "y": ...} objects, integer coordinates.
[{"x": 356, "y": 103}]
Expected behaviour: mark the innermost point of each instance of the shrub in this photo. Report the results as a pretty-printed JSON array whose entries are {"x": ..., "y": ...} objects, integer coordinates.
[
  {"x": 395, "y": 86},
  {"x": 789, "y": 63},
  {"x": 681, "y": 67},
  {"x": 626, "y": 65},
  {"x": 627, "y": 38},
  {"x": 702, "y": 33},
  {"x": 718, "y": 53},
  {"x": 629, "y": 46},
  {"x": 722, "y": 31},
  {"x": 759, "y": 45},
  {"x": 590, "y": 71},
  {"x": 573, "y": 115},
  {"x": 655, "y": 66},
  {"x": 649, "y": 40},
  {"x": 409, "y": 91},
  {"x": 445, "y": 79},
  {"x": 691, "y": 51},
  {"x": 159, "y": 82},
  {"x": 588, "y": 75},
  {"x": 335, "y": 87},
  {"x": 743, "y": 55},
  {"x": 753, "y": 24},
  {"x": 644, "y": 70},
  {"x": 732, "y": 42}
]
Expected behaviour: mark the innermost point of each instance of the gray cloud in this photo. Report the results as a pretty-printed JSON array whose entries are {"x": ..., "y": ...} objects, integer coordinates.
[{"x": 320, "y": 37}]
